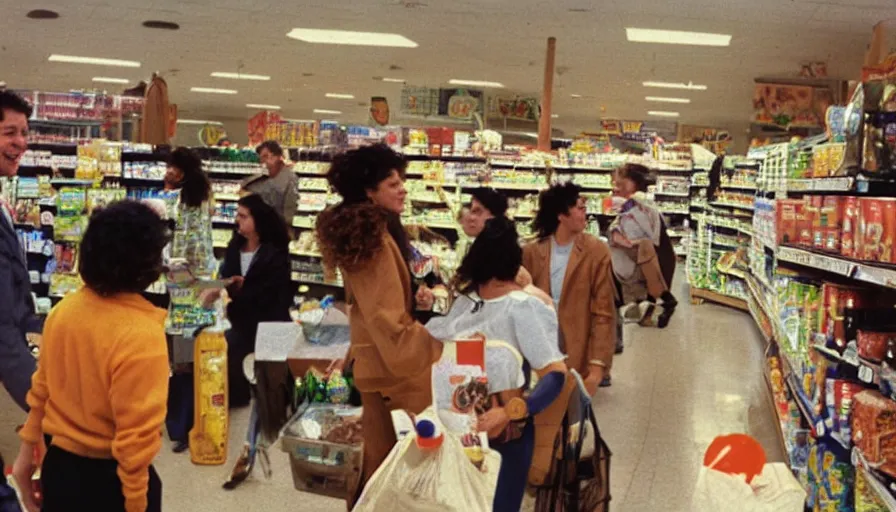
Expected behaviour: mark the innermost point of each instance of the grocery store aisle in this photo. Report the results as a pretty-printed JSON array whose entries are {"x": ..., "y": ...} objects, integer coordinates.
[{"x": 673, "y": 392}]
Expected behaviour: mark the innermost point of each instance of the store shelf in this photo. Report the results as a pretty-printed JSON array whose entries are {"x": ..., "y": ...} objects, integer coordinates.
[
  {"x": 751, "y": 188},
  {"x": 734, "y": 302},
  {"x": 720, "y": 204},
  {"x": 671, "y": 194},
  {"x": 303, "y": 221},
  {"x": 888, "y": 496},
  {"x": 734, "y": 273},
  {"x": 222, "y": 220},
  {"x": 863, "y": 272},
  {"x": 843, "y": 184},
  {"x": 675, "y": 212},
  {"x": 321, "y": 282},
  {"x": 71, "y": 182},
  {"x": 307, "y": 254},
  {"x": 227, "y": 197}
]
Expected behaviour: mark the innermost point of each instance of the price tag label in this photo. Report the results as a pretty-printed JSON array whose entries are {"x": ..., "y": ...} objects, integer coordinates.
[
  {"x": 866, "y": 374},
  {"x": 833, "y": 265},
  {"x": 819, "y": 429}
]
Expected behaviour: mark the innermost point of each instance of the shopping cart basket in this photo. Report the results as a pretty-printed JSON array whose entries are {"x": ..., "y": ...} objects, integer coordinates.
[{"x": 579, "y": 480}]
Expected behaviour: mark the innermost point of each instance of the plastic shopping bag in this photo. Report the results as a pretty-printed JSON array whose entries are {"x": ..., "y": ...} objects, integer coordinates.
[
  {"x": 735, "y": 478},
  {"x": 438, "y": 480}
]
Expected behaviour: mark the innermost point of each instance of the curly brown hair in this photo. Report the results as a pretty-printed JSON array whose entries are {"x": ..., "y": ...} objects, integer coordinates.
[{"x": 350, "y": 235}]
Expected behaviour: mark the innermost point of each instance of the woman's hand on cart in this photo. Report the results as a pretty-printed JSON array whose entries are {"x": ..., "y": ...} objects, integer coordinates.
[
  {"x": 493, "y": 421},
  {"x": 424, "y": 298}
]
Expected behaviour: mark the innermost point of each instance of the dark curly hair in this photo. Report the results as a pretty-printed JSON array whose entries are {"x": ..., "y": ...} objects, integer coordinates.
[
  {"x": 493, "y": 201},
  {"x": 121, "y": 251},
  {"x": 269, "y": 225},
  {"x": 639, "y": 175},
  {"x": 496, "y": 254},
  {"x": 12, "y": 101},
  {"x": 355, "y": 172},
  {"x": 552, "y": 203},
  {"x": 272, "y": 146},
  {"x": 195, "y": 187}
]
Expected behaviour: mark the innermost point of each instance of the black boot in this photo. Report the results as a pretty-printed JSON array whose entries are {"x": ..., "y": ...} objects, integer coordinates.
[{"x": 669, "y": 300}]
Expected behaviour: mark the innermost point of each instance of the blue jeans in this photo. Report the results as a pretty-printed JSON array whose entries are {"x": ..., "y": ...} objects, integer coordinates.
[{"x": 516, "y": 458}]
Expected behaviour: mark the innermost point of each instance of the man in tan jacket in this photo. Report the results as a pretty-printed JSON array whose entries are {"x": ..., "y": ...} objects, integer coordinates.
[{"x": 574, "y": 268}]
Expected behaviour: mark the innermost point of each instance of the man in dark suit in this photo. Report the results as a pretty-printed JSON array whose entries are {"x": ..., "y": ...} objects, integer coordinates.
[{"x": 16, "y": 305}]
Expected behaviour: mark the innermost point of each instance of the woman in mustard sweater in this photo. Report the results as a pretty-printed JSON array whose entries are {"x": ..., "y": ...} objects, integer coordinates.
[{"x": 98, "y": 396}]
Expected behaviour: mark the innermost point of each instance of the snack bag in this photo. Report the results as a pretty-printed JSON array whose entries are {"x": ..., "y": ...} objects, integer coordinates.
[{"x": 208, "y": 438}]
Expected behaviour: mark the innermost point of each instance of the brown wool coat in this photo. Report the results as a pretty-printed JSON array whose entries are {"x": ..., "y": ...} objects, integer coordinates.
[
  {"x": 391, "y": 353},
  {"x": 587, "y": 318},
  {"x": 587, "y": 311}
]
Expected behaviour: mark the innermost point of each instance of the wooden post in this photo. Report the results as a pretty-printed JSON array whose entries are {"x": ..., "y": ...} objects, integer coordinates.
[{"x": 544, "y": 124}]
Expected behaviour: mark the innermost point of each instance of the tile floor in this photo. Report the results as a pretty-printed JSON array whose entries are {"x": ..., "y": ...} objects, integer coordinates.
[{"x": 673, "y": 391}]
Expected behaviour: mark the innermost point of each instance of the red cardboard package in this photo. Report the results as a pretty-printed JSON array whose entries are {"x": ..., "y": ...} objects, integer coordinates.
[{"x": 849, "y": 227}]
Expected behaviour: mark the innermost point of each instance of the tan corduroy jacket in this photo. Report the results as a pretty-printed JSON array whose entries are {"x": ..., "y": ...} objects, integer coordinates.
[
  {"x": 388, "y": 346},
  {"x": 587, "y": 311}
]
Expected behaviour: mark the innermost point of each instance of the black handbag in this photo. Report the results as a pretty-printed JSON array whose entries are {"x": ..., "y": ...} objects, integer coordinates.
[{"x": 576, "y": 484}]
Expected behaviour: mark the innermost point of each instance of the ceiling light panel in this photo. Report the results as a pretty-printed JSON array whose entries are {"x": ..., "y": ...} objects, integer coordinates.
[
  {"x": 690, "y": 86},
  {"x": 199, "y": 121},
  {"x": 663, "y": 99},
  {"x": 240, "y": 76},
  {"x": 394, "y": 80},
  {"x": 110, "y": 80},
  {"x": 649, "y": 35},
  {"x": 95, "y": 61},
  {"x": 350, "y": 38},
  {"x": 662, "y": 113},
  {"x": 337, "y": 96},
  {"x": 212, "y": 90},
  {"x": 477, "y": 83},
  {"x": 262, "y": 106},
  {"x": 327, "y": 112}
]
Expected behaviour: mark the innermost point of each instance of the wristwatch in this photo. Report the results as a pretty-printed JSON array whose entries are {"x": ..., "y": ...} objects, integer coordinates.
[{"x": 516, "y": 409}]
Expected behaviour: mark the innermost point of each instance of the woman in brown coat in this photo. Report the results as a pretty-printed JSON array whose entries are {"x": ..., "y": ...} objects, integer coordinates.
[{"x": 391, "y": 352}]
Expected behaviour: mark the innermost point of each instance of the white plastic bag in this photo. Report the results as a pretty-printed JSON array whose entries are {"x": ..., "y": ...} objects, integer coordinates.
[
  {"x": 442, "y": 480},
  {"x": 774, "y": 490}
]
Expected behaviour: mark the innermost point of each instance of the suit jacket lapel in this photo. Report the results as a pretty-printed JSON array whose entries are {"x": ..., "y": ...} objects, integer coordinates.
[
  {"x": 575, "y": 257},
  {"x": 542, "y": 279}
]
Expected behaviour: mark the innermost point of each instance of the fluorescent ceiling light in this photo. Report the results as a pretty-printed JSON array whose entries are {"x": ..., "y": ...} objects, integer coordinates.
[
  {"x": 661, "y": 113},
  {"x": 661, "y": 99},
  {"x": 212, "y": 90},
  {"x": 240, "y": 76},
  {"x": 198, "y": 121},
  {"x": 394, "y": 80},
  {"x": 73, "y": 59},
  {"x": 328, "y": 112},
  {"x": 108, "y": 80},
  {"x": 340, "y": 96},
  {"x": 649, "y": 35},
  {"x": 263, "y": 106},
  {"x": 347, "y": 37},
  {"x": 476, "y": 83},
  {"x": 575, "y": 96},
  {"x": 555, "y": 116},
  {"x": 691, "y": 86}
]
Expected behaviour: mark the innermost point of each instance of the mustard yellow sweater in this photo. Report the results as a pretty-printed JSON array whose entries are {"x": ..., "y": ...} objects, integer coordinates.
[{"x": 101, "y": 384}]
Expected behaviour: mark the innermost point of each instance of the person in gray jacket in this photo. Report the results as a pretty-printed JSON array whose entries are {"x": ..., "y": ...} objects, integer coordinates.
[
  {"x": 16, "y": 305},
  {"x": 279, "y": 188}
]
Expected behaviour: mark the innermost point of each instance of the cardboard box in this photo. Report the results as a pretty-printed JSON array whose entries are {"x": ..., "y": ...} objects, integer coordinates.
[{"x": 849, "y": 227}]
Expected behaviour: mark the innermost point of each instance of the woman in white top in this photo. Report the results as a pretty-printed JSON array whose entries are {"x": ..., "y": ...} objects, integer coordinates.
[{"x": 494, "y": 305}]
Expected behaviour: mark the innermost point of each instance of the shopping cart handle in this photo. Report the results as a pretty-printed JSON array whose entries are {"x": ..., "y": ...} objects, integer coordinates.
[{"x": 585, "y": 398}]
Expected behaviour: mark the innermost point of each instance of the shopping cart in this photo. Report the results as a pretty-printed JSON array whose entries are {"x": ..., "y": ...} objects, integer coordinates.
[{"x": 579, "y": 480}]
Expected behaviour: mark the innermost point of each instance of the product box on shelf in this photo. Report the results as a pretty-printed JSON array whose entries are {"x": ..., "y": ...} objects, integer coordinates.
[
  {"x": 874, "y": 430},
  {"x": 830, "y": 223},
  {"x": 878, "y": 228},
  {"x": 830, "y": 478},
  {"x": 849, "y": 240},
  {"x": 838, "y": 300},
  {"x": 787, "y": 217}
]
